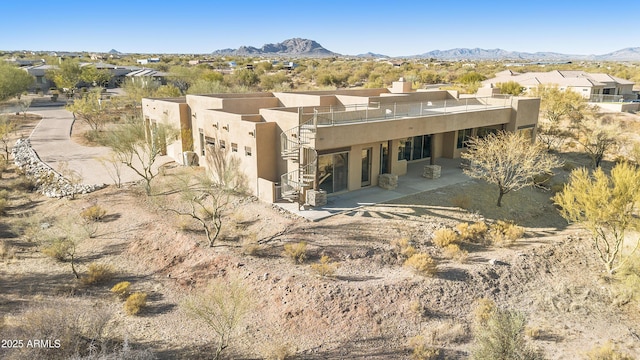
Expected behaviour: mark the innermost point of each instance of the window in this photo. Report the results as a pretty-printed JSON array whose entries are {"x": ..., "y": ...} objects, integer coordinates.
[
  {"x": 247, "y": 151},
  {"x": 234, "y": 147},
  {"x": 223, "y": 145},
  {"x": 211, "y": 143},
  {"x": 483, "y": 132},
  {"x": 463, "y": 138},
  {"x": 201, "y": 142}
]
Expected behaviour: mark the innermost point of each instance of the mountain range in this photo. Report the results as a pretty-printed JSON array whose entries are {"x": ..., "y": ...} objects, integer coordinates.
[{"x": 310, "y": 48}]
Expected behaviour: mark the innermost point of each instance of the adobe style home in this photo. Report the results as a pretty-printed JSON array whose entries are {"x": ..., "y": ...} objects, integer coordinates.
[
  {"x": 596, "y": 87},
  {"x": 302, "y": 146}
]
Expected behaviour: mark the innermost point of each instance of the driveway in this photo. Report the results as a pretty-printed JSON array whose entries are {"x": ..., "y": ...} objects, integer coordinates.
[{"x": 51, "y": 139}]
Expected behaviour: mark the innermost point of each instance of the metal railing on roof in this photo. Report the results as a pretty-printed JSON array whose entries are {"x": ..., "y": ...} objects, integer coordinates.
[{"x": 376, "y": 111}]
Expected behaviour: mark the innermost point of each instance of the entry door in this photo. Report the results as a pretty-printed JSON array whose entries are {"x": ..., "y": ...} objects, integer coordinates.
[{"x": 366, "y": 167}]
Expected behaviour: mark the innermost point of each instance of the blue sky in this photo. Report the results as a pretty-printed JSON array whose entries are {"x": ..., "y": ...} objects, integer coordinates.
[{"x": 388, "y": 27}]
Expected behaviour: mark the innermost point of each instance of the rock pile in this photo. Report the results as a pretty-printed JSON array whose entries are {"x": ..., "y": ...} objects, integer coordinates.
[{"x": 48, "y": 181}]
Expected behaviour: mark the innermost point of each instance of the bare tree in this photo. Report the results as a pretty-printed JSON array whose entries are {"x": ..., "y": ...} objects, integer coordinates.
[
  {"x": 607, "y": 207},
  {"x": 597, "y": 136},
  {"x": 138, "y": 145},
  {"x": 222, "y": 307},
  {"x": 7, "y": 126},
  {"x": 508, "y": 160}
]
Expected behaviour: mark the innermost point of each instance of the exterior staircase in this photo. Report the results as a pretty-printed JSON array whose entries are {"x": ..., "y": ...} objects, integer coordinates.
[{"x": 297, "y": 147}]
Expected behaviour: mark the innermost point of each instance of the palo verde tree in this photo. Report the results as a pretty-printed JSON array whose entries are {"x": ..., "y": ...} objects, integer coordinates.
[
  {"x": 66, "y": 76},
  {"x": 91, "y": 109},
  {"x": 508, "y": 160},
  {"x": 510, "y": 88},
  {"x": 223, "y": 307},
  {"x": 607, "y": 206},
  {"x": 137, "y": 145},
  {"x": 13, "y": 81}
]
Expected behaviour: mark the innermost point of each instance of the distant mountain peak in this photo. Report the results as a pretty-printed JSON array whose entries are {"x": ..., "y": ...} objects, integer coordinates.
[{"x": 294, "y": 46}]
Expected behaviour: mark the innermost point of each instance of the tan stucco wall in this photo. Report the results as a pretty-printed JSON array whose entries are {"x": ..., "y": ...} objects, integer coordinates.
[{"x": 172, "y": 113}]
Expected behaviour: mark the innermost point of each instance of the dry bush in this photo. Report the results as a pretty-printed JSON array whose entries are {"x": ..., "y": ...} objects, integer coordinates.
[
  {"x": 60, "y": 249},
  {"x": 250, "y": 245},
  {"x": 447, "y": 333},
  {"x": 627, "y": 278},
  {"x": 533, "y": 332},
  {"x": 501, "y": 336},
  {"x": 6, "y": 251},
  {"x": 135, "y": 303},
  {"x": 23, "y": 183},
  {"x": 453, "y": 252},
  {"x": 484, "y": 309},
  {"x": 122, "y": 289},
  {"x": 78, "y": 330},
  {"x": 93, "y": 213},
  {"x": 422, "y": 264},
  {"x": 4, "y": 201},
  {"x": 541, "y": 179},
  {"x": 325, "y": 268},
  {"x": 402, "y": 248},
  {"x": 505, "y": 233},
  {"x": 296, "y": 252},
  {"x": 474, "y": 233},
  {"x": 98, "y": 274},
  {"x": 278, "y": 351},
  {"x": 462, "y": 201},
  {"x": 607, "y": 352},
  {"x": 420, "y": 350},
  {"x": 444, "y": 237}
]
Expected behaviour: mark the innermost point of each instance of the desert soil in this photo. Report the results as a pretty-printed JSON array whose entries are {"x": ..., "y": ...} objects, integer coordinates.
[{"x": 369, "y": 309}]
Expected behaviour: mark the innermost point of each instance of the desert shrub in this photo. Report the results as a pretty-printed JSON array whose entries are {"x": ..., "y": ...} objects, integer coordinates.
[
  {"x": 6, "y": 251},
  {"x": 60, "y": 249},
  {"x": 420, "y": 350},
  {"x": 278, "y": 351},
  {"x": 505, "y": 233},
  {"x": 453, "y": 251},
  {"x": 325, "y": 267},
  {"x": 444, "y": 237},
  {"x": 79, "y": 330},
  {"x": 93, "y": 213},
  {"x": 403, "y": 248},
  {"x": 122, "y": 289},
  {"x": 502, "y": 337},
  {"x": 484, "y": 309},
  {"x": 628, "y": 281},
  {"x": 533, "y": 332},
  {"x": 447, "y": 332},
  {"x": 472, "y": 232},
  {"x": 98, "y": 274},
  {"x": 422, "y": 264},
  {"x": 4, "y": 201},
  {"x": 462, "y": 201},
  {"x": 250, "y": 245},
  {"x": 607, "y": 352},
  {"x": 22, "y": 183},
  {"x": 296, "y": 252},
  {"x": 135, "y": 303}
]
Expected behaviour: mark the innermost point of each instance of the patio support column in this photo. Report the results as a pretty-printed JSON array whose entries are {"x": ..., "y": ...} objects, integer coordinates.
[{"x": 432, "y": 146}]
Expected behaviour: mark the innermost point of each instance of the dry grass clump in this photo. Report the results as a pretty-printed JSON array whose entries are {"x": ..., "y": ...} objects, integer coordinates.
[
  {"x": 135, "y": 303},
  {"x": 278, "y": 351},
  {"x": 296, "y": 251},
  {"x": 483, "y": 310},
  {"x": 505, "y": 233},
  {"x": 474, "y": 233},
  {"x": 454, "y": 252},
  {"x": 444, "y": 237},
  {"x": 4, "y": 201},
  {"x": 122, "y": 289},
  {"x": 325, "y": 268},
  {"x": 402, "y": 248},
  {"x": 607, "y": 352},
  {"x": 93, "y": 213},
  {"x": 6, "y": 251},
  {"x": 98, "y": 274},
  {"x": 421, "y": 351},
  {"x": 250, "y": 245},
  {"x": 422, "y": 264}
]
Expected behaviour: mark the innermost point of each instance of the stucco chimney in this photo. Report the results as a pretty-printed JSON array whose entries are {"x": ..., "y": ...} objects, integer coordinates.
[{"x": 401, "y": 86}]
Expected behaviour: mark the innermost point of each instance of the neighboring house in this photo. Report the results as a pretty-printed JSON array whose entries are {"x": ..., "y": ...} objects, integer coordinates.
[
  {"x": 41, "y": 84},
  {"x": 294, "y": 143},
  {"x": 596, "y": 87},
  {"x": 148, "y": 75},
  {"x": 147, "y": 61},
  {"x": 118, "y": 73}
]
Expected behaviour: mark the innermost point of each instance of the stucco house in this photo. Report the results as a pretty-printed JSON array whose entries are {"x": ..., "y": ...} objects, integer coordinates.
[
  {"x": 294, "y": 144},
  {"x": 596, "y": 87}
]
